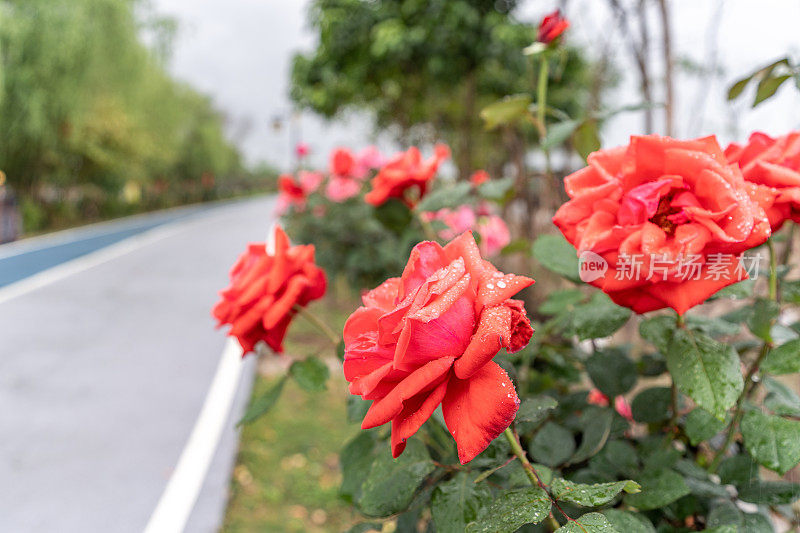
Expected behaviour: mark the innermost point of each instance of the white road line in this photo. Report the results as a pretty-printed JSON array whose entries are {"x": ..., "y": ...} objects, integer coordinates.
[
  {"x": 90, "y": 260},
  {"x": 177, "y": 501},
  {"x": 179, "y": 498}
]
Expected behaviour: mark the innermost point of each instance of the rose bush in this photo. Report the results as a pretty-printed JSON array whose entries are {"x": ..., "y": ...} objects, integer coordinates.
[{"x": 586, "y": 426}]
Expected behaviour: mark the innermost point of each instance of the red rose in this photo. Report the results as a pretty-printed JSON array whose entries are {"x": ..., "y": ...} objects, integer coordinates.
[
  {"x": 551, "y": 27},
  {"x": 342, "y": 162},
  {"x": 405, "y": 171},
  {"x": 479, "y": 177},
  {"x": 265, "y": 289},
  {"x": 772, "y": 168},
  {"x": 289, "y": 193},
  {"x": 428, "y": 338},
  {"x": 675, "y": 208}
]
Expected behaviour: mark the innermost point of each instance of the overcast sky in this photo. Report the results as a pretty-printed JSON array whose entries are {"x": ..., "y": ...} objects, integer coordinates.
[{"x": 239, "y": 52}]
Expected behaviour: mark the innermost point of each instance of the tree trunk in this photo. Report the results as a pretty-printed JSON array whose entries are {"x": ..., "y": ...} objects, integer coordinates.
[{"x": 669, "y": 105}]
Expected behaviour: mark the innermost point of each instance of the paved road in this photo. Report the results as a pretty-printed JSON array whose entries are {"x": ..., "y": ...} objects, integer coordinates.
[
  {"x": 103, "y": 374},
  {"x": 24, "y": 258}
]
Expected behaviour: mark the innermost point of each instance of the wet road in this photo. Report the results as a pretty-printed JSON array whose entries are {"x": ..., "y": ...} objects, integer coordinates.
[{"x": 105, "y": 367}]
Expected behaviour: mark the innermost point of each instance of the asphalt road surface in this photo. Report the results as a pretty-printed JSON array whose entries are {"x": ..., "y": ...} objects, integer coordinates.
[{"x": 105, "y": 367}]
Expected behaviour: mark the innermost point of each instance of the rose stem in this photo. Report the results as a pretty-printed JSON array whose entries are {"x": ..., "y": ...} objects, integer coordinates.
[
  {"x": 749, "y": 383},
  {"x": 323, "y": 327},
  {"x": 532, "y": 475},
  {"x": 427, "y": 229}
]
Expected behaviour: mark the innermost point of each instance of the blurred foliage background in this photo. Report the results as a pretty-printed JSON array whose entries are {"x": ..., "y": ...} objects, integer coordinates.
[{"x": 93, "y": 124}]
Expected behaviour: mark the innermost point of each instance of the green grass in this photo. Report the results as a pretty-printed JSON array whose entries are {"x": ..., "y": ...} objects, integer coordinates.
[{"x": 287, "y": 474}]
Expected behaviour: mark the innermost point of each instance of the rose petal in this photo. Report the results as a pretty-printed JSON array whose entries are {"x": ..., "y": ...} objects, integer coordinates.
[{"x": 477, "y": 410}]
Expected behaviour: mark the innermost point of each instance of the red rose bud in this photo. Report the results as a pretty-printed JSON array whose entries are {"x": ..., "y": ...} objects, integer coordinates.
[
  {"x": 265, "y": 288},
  {"x": 403, "y": 172},
  {"x": 428, "y": 338},
  {"x": 551, "y": 27},
  {"x": 666, "y": 218},
  {"x": 771, "y": 168}
]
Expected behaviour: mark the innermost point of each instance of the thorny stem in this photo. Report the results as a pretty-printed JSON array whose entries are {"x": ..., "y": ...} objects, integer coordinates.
[
  {"x": 427, "y": 228},
  {"x": 323, "y": 327},
  {"x": 749, "y": 383},
  {"x": 541, "y": 107},
  {"x": 533, "y": 476}
]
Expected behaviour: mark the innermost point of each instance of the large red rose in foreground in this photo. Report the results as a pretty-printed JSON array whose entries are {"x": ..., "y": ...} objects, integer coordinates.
[
  {"x": 265, "y": 290},
  {"x": 772, "y": 169},
  {"x": 406, "y": 172},
  {"x": 669, "y": 217},
  {"x": 428, "y": 338}
]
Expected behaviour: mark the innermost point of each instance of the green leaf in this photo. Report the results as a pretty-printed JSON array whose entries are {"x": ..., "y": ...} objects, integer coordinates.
[
  {"x": 737, "y": 88},
  {"x": 497, "y": 190},
  {"x": 790, "y": 291},
  {"x": 772, "y": 441},
  {"x": 516, "y": 246},
  {"x": 658, "y": 330},
  {"x": 446, "y": 196},
  {"x": 391, "y": 483},
  {"x": 652, "y": 405},
  {"x": 340, "y": 350},
  {"x": 701, "y": 425},
  {"x": 310, "y": 373},
  {"x": 558, "y": 133},
  {"x": 755, "y": 523},
  {"x": 394, "y": 215},
  {"x": 712, "y": 326},
  {"x": 600, "y": 317},
  {"x": 590, "y": 495},
  {"x": 552, "y": 445},
  {"x": 535, "y": 409},
  {"x": 556, "y": 254},
  {"x": 261, "y": 405},
  {"x": 560, "y": 301},
  {"x": 456, "y": 503},
  {"x": 768, "y": 86},
  {"x": 511, "y": 510},
  {"x": 507, "y": 111},
  {"x": 356, "y": 408},
  {"x": 765, "y": 312},
  {"x": 781, "y": 400},
  {"x": 738, "y": 291},
  {"x": 706, "y": 370},
  {"x": 586, "y": 138},
  {"x": 589, "y": 523},
  {"x": 785, "y": 359},
  {"x": 616, "y": 459},
  {"x": 659, "y": 488},
  {"x": 737, "y": 470},
  {"x": 596, "y": 424},
  {"x": 355, "y": 461},
  {"x": 627, "y": 522},
  {"x": 612, "y": 371},
  {"x": 770, "y": 492},
  {"x": 724, "y": 513}
]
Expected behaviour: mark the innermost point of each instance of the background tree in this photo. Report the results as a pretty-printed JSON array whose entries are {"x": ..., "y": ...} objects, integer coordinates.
[
  {"x": 424, "y": 69},
  {"x": 88, "y": 109}
]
